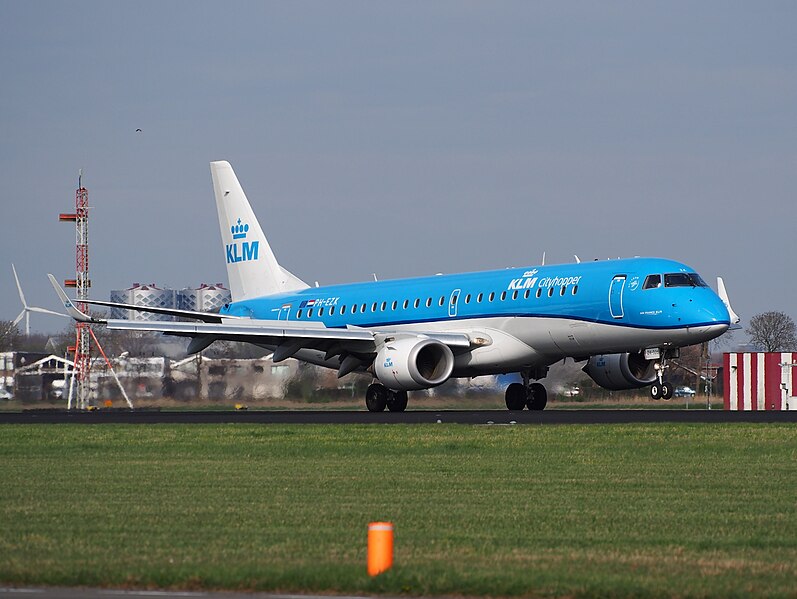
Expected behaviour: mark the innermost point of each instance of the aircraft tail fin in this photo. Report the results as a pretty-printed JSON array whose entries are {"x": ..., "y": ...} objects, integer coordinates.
[{"x": 252, "y": 268}]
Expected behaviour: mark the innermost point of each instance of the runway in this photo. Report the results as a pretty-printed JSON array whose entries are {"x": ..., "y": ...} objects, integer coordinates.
[
  {"x": 86, "y": 593},
  {"x": 472, "y": 417}
]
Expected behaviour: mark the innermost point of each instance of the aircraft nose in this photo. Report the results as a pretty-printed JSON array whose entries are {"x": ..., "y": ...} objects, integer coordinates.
[{"x": 713, "y": 320}]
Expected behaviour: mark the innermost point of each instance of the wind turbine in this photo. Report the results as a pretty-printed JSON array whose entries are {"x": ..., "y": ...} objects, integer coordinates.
[{"x": 26, "y": 309}]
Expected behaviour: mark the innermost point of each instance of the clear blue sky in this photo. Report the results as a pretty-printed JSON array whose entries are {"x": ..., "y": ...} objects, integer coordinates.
[{"x": 401, "y": 138}]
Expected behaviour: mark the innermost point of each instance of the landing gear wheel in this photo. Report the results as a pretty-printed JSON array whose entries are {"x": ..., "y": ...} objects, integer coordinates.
[
  {"x": 376, "y": 398},
  {"x": 538, "y": 397},
  {"x": 516, "y": 397},
  {"x": 655, "y": 391},
  {"x": 396, "y": 401},
  {"x": 666, "y": 390}
]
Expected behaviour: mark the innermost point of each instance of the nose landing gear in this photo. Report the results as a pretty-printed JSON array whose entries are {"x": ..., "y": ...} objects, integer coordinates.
[{"x": 661, "y": 389}]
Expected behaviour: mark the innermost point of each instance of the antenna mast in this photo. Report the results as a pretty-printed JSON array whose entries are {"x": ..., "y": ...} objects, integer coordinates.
[{"x": 82, "y": 282}]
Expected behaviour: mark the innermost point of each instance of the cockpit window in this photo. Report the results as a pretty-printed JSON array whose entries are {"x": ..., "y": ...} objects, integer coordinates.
[
  {"x": 652, "y": 282},
  {"x": 683, "y": 279}
]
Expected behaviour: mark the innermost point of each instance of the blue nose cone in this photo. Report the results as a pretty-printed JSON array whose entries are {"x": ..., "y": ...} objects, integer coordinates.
[{"x": 710, "y": 317}]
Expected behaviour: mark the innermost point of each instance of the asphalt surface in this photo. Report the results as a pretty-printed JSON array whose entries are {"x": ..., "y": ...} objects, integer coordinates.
[
  {"x": 476, "y": 417},
  {"x": 83, "y": 593}
]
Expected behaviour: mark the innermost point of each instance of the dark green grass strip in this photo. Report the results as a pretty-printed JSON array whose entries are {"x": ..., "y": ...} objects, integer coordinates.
[{"x": 612, "y": 511}]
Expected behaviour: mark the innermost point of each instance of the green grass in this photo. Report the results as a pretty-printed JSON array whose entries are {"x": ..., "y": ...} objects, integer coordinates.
[{"x": 612, "y": 511}]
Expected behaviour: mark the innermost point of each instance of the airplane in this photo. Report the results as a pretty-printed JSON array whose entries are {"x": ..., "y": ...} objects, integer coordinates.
[{"x": 625, "y": 318}]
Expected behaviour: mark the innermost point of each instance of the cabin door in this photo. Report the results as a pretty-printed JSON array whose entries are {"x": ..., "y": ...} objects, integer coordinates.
[
  {"x": 284, "y": 312},
  {"x": 452, "y": 303},
  {"x": 616, "y": 296}
]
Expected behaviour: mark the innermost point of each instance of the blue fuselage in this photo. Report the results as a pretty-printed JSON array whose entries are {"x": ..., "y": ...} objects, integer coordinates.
[
  {"x": 534, "y": 315},
  {"x": 609, "y": 292}
]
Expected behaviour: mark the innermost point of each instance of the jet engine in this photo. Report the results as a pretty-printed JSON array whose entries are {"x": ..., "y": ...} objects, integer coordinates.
[
  {"x": 411, "y": 363},
  {"x": 621, "y": 371}
]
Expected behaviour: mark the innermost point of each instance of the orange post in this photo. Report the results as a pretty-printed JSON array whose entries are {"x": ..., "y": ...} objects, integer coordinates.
[{"x": 380, "y": 547}]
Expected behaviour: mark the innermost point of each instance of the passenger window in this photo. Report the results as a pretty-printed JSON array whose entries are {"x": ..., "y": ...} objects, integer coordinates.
[
  {"x": 343, "y": 309},
  {"x": 393, "y": 305},
  {"x": 526, "y": 294},
  {"x": 332, "y": 311},
  {"x": 575, "y": 289},
  {"x": 514, "y": 295},
  {"x": 562, "y": 290},
  {"x": 442, "y": 300},
  {"x": 354, "y": 308},
  {"x": 417, "y": 303},
  {"x": 321, "y": 311},
  {"x": 467, "y": 299},
  {"x": 362, "y": 308},
  {"x": 652, "y": 281},
  {"x": 406, "y": 303},
  {"x": 373, "y": 307},
  {"x": 539, "y": 292},
  {"x": 383, "y": 306},
  {"x": 310, "y": 313},
  {"x": 491, "y": 297},
  {"x": 299, "y": 313},
  {"x": 479, "y": 298},
  {"x": 429, "y": 302},
  {"x": 503, "y": 295},
  {"x": 550, "y": 292}
]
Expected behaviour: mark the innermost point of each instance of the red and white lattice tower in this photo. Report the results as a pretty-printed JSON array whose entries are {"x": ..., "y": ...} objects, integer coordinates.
[{"x": 81, "y": 283}]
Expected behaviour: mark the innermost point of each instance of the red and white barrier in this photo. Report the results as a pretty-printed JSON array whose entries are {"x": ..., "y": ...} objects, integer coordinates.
[{"x": 760, "y": 381}]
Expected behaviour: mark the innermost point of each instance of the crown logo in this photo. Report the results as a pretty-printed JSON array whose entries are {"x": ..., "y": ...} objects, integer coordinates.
[{"x": 239, "y": 231}]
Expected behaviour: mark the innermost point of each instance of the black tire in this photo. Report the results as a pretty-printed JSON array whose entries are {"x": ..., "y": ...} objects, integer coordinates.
[
  {"x": 538, "y": 397},
  {"x": 376, "y": 398},
  {"x": 655, "y": 391},
  {"x": 666, "y": 390},
  {"x": 516, "y": 397},
  {"x": 397, "y": 401}
]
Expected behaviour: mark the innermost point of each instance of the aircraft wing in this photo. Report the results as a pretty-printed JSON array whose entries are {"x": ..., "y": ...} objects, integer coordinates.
[
  {"x": 286, "y": 337},
  {"x": 203, "y": 316},
  {"x": 81, "y": 317}
]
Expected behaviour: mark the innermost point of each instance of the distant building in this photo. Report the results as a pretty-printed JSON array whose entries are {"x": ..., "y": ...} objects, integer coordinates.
[
  {"x": 205, "y": 298},
  {"x": 33, "y": 376}
]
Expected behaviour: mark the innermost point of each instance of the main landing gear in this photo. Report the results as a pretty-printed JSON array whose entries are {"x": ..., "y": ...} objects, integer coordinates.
[
  {"x": 527, "y": 394},
  {"x": 378, "y": 397},
  {"x": 518, "y": 396},
  {"x": 661, "y": 389}
]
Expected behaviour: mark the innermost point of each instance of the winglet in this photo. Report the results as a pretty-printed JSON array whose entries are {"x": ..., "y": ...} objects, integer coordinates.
[
  {"x": 721, "y": 291},
  {"x": 70, "y": 307}
]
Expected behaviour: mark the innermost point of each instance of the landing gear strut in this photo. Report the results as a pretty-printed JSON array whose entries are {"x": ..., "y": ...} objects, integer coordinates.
[
  {"x": 378, "y": 397},
  {"x": 661, "y": 389}
]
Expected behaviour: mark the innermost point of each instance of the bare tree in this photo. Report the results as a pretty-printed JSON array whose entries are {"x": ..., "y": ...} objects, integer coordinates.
[
  {"x": 772, "y": 331},
  {"x": 9, "y": 335}
]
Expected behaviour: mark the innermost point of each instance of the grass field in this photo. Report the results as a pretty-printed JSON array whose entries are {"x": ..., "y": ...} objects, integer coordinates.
[{"x": 612, "y": 511}]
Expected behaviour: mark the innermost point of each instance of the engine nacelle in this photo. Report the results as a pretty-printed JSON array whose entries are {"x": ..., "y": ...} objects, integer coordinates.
[
  {"x": 411, "y": 363},
  {"x": 621, "y": 371}
]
